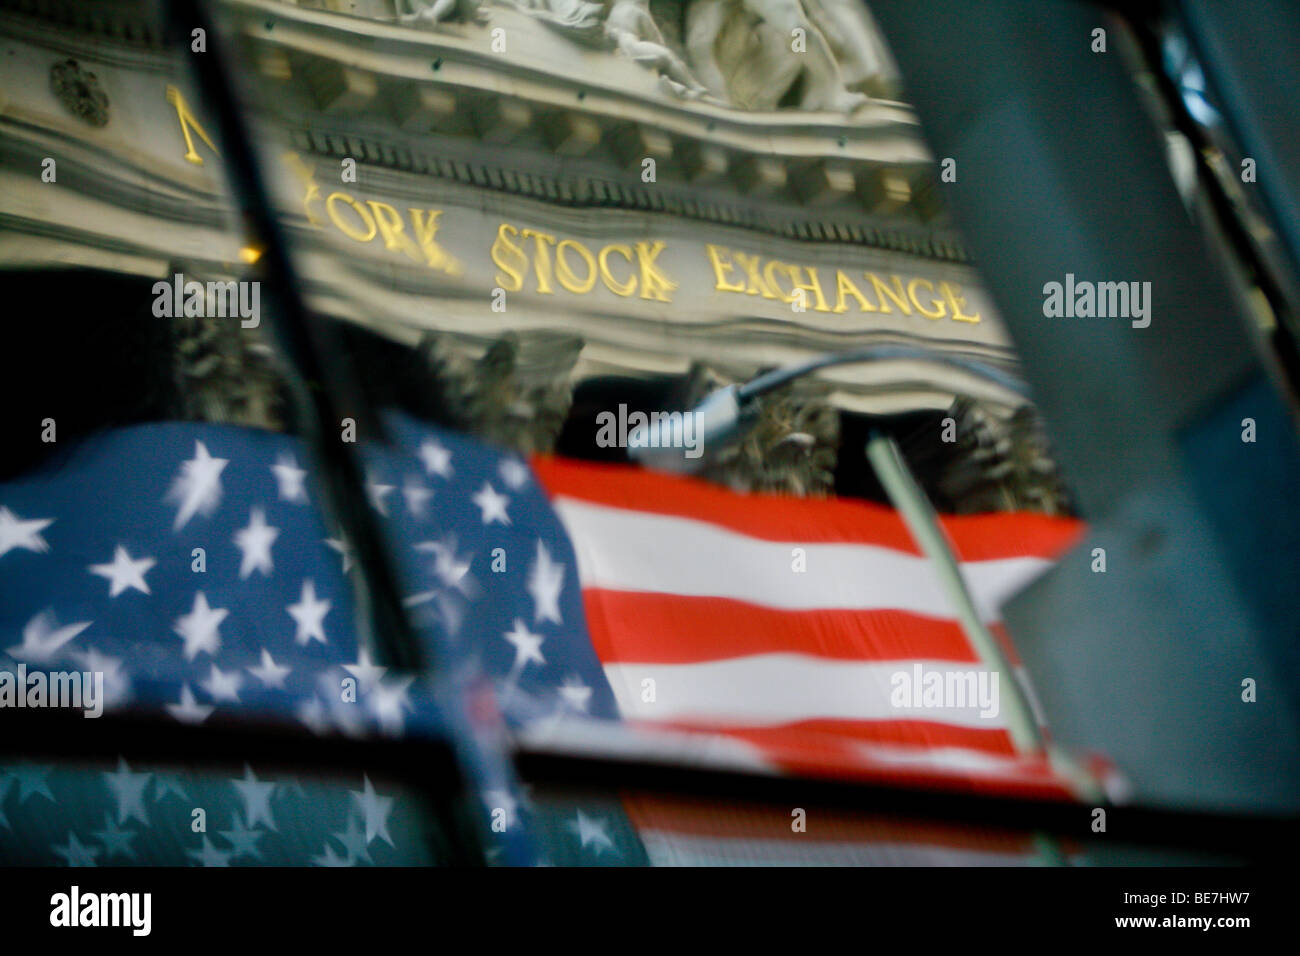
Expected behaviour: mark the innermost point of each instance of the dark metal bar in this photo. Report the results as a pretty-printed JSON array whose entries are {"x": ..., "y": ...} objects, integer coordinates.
[
  {"x": 427, "y": 764},
  {"x": 1237, "y": 838},
  {"x": 430, "y": 767},
  {"x": 319, "y": 374}
]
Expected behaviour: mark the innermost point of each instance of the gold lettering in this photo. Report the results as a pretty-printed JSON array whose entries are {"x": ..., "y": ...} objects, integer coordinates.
[
  {"x": 504, "y": 253},
  {"x": 188, "y": 122},
  {"x": 566, "y": 275},
  {"x": 843, "y": 285},
  {"x": 756, "y": 285},
  {"x": 772, "y": 266},
  {"x": 811, "y": 284},
  {"x": 347, "y": 228},
  {"x": 434, "y": 254},
  {"x": 935, "y": 302},
  {"x": 654, "y": 284},
  {"x": 391, "y": 227},
  {"x": 621, "y": 289},
  {"x": 542, "y": 261},
  {"x": 896, "y": 293},
  {"x": 720, "y": 268},
  {"x": 308, "y": 176},
  {"x": 952, "y": 292}
]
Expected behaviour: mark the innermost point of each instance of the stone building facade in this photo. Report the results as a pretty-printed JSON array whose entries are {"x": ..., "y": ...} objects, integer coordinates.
[{"x": 535, "y": 200}]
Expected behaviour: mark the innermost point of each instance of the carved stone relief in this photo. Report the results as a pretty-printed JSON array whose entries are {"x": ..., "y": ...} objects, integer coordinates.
[
  {"x": 747, "y": 54},
  {"x": 80, "y": 92},
  {"x": 517, "y": 394},
  {"x": 440, "y": 11}
]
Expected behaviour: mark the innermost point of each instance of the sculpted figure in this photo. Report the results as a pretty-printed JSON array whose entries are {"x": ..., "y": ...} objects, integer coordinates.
[
  {"x": 858, "y": 45},
  {"x": 637, "y": 36},
  {"x": 760, "y": 48},
  {"x": 428, "y": 12},
  {"x": 580, "y": 20}
]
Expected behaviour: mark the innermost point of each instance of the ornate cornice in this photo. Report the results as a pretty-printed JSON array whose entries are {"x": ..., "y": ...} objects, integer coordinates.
[
  {"x": 593, "y": 191},
  {"x": 442, "y": 104},
  {"x": 118, "y": 31}
]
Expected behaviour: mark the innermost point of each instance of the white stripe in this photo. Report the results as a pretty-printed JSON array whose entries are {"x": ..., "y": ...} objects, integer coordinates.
[
  {"x": 571, "y": 734},
  {"x": 960, "y": 760},
  {"x": 768, "y": 689},
  {"x": 664, "y": 554},
  {"x": 665, "y": 848}
]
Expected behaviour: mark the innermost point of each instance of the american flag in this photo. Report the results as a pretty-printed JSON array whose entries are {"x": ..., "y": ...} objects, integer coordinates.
[
  {"x": 193, "y": 566},
  {"x": 189, "y": 565},
  {"x": 782, "y": 622}
]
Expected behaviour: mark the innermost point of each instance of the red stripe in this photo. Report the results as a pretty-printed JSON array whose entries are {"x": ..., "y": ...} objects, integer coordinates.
[
  {"x": 765, "y": 516},
  {"x": 755, "y": 821},
  {"x": 1011, "y": 534},
  {"x": 1038, "y": 781},
  {"x": 829, "y": 737},
  {"x": 847, "y": 756},
  {"x": 642, "y": 628},
  {"x": 783, "y": 518}
]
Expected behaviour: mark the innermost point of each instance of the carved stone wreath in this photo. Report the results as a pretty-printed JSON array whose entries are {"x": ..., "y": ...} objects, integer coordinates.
[{"x": 80, "y": 92}]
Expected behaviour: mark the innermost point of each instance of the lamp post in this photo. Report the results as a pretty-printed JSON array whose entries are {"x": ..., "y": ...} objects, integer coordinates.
[{"x": 724, "y": 414}]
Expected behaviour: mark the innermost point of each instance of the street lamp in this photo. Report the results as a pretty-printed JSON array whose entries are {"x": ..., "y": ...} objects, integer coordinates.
[{"x": 727, "y": 412}]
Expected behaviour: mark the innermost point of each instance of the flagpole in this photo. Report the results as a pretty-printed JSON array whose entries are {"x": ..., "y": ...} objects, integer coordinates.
[
  {"x": 920, "y": 517},
  {"x": 922, "y": 520}
]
